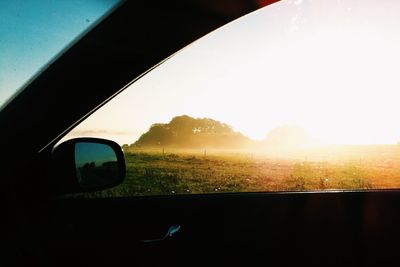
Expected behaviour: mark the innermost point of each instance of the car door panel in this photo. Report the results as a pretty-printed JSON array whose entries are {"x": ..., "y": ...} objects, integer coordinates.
[{"x": 329, "y": 228}]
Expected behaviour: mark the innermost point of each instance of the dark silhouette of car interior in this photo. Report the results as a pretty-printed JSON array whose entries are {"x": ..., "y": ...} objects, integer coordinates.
[{"x": 41, "y": 228}]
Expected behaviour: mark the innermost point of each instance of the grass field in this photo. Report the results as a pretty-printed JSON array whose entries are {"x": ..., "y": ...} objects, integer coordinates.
[{"x": 173, "y": 171}]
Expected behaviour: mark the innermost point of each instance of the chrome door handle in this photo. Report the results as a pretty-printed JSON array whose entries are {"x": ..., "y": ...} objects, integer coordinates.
[{"x": 173, "y": 229}]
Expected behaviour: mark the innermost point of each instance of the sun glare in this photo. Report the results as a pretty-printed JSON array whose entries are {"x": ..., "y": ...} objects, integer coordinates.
[{"x": 329, "y": 67}]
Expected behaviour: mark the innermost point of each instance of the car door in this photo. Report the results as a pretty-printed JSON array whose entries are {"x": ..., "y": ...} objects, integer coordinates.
[
  {"x": 123, "y": 45},
  {"x": 313, "y": 216}
]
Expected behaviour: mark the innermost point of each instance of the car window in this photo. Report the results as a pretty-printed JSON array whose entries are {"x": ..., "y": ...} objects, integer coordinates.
[
  {"x": 34, "y": 32},
  {"x": 297, "y": 96}
]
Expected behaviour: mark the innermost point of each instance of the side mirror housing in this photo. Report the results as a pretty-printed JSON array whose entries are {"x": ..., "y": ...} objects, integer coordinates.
[{"x": 86, "y": 165}]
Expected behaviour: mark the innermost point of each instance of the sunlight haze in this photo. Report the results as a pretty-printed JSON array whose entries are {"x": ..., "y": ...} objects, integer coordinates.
[{"x": 329, "y": 67}]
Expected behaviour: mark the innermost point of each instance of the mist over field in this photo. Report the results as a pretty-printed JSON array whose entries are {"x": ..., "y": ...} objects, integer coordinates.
[
  {"x": 197, "y": 156},
  {"x": 185, "y": 132}
]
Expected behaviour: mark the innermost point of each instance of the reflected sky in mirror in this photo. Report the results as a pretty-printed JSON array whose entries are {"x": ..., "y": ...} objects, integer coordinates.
[
  {"x": 93, "y": 153},
  {"x": 96, "y": 164}
]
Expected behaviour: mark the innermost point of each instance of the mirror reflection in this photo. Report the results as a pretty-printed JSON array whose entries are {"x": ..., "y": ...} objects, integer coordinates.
[{"x": 96, "y": 164}]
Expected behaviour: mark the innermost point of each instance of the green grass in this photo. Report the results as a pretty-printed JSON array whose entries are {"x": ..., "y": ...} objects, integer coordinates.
[{"x": 152, "y": 172}]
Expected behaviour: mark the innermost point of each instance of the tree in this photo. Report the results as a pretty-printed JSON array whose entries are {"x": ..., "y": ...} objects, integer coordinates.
[
  {"x": 187, "y": 132},
  {"x": 158, "y": 134}
]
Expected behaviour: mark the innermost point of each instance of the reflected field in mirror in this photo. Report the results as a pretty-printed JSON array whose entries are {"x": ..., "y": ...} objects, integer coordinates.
[{"x": 96, "y": 164}]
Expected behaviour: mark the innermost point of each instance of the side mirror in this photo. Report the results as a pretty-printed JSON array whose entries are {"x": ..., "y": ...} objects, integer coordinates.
[{"x": 86, "y": 165}]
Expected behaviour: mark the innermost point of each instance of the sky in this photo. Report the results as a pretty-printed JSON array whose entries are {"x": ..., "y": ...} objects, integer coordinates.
[
  {"x": 33, "y": 32},
  {"x": 330, "y": 67}
]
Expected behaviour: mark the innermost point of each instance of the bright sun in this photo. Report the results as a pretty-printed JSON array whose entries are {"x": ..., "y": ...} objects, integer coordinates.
[{"x": 328, "y": 67}]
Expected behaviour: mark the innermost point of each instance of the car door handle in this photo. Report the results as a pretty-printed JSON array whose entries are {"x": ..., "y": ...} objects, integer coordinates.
[{"x": 172, "y": 230}]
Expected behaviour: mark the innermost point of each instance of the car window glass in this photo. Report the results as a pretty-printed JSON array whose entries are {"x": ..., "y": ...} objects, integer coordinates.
[{"x": 297, "y": 96}]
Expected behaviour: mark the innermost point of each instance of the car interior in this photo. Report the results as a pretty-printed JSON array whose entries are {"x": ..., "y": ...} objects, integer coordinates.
[{"x": 330, "y": 228}]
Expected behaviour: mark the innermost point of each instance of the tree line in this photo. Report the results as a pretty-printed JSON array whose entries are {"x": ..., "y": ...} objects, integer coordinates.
[{"x": 187, "y": 132}]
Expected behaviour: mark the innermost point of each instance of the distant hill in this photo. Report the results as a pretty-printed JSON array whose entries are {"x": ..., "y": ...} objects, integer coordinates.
[
  {"x": 187, "y": 132},
  {"x": 287, "y": 137}
]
